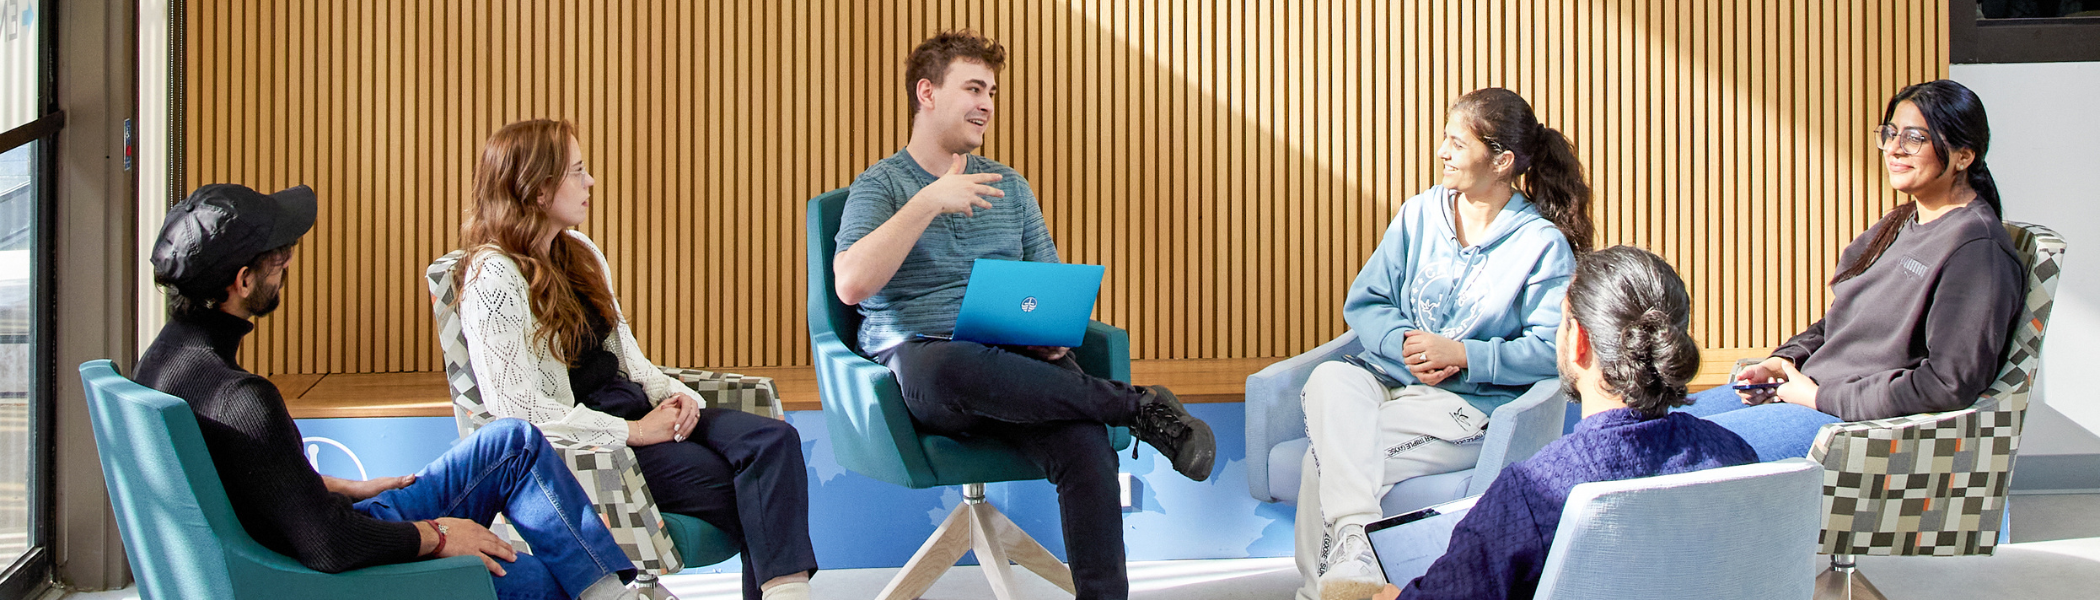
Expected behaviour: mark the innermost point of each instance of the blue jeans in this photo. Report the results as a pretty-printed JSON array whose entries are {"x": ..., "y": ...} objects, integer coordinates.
[
  {"x": 507, "y": 468},
  {"x": 1778, "y": 431}
]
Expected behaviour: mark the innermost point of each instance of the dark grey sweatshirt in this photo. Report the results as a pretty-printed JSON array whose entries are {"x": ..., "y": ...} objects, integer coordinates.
[{"x": 1924, "y": 328}]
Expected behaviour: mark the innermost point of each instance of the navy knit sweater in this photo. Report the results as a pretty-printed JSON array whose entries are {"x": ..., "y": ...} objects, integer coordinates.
[{"x": 1499, "y": 549}]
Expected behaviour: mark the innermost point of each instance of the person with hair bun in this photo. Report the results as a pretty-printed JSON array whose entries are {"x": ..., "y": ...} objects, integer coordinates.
[
  {"x": 1624, "y": 354},
  {"x": 1456, "y": 311},
  {"x": 1922, "y": 302}
]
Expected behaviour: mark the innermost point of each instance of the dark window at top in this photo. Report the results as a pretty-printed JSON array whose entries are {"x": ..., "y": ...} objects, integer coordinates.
[
  {"x": 2038, "y": 9},
  {"x": 2023, "y": 31}
]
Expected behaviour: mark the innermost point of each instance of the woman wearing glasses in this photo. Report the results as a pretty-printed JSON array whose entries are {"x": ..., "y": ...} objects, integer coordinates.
[
  {"x": 1924, "y": 298},
  {"x": 551, "y": 346}
]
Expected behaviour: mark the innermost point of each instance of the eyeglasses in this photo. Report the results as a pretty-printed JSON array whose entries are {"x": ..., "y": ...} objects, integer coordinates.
[{"x": 1906, "y": 140}]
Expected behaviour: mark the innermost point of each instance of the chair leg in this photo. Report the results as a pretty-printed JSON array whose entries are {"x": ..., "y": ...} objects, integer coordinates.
[
  {"x": 977, "y": 526},
  {"x": 647, "y": 583},
  {"x": 1029, "y": 553},
  {"x": 991, "y": 551},
  {"x": 1843, "y": 581},
  {"x": 936, "y": 556}
]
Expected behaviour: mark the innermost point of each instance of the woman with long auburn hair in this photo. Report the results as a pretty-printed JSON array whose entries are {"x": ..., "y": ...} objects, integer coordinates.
[
  {"x": 1923, "y": 300},
  {"x": 1456, "y": 311},
  {"x": 551, "y": 346}
]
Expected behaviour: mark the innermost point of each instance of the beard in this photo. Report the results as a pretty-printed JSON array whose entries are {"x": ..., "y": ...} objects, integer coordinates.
[
  {"x": 1568, "y": 378},
  {"x": 264, "y": 301}
]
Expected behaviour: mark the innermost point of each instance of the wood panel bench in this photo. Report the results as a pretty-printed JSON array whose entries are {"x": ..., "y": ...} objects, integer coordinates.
[{"x": 362, "y": 395}]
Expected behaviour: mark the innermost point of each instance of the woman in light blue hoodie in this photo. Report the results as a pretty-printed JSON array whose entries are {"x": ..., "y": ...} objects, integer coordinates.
[{"x": 1456, "y": 312}]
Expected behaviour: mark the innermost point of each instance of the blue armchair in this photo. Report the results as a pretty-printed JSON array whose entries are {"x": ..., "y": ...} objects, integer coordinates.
[
  {"x": 872, "y": 431},
  {"x": 1276, "y": 442},
  {"x": 179, "y": 529}
]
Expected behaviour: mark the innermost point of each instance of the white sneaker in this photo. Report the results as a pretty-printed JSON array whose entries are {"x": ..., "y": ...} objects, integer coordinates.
[{"x": 1352, "y": 571}]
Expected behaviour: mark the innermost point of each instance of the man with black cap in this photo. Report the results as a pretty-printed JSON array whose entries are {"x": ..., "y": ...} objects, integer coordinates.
[{"x": 222, "y": 255}]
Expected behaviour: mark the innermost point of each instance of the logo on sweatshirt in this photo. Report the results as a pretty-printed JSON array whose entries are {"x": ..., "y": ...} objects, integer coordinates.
[
  {"x": 1028, "y": 304},
  {"x": 1915, "y": 268}
]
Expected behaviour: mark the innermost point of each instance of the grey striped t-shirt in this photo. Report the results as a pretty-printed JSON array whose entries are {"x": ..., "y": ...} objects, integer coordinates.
[{"x": 926, "y": 293}]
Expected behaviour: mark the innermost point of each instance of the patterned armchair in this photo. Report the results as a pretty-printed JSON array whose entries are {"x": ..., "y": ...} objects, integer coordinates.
[
  {"x": 1935, "y": 484},
  {"x": 610, "y": 476}
]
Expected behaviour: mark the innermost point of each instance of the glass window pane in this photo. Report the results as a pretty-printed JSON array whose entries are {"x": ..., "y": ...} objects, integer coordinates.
[
  {"x": 2037, "y": 9},
  {"x": 17, "y": 241},
  {"x": 19, "y": 67}
]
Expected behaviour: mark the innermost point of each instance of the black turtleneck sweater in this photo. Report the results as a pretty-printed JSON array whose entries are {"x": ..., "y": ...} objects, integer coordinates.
[{"x": 255, "y": 445}]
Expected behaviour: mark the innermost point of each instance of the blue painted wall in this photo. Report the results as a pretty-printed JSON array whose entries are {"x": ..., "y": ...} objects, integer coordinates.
[{"x": 857, "y": 522}]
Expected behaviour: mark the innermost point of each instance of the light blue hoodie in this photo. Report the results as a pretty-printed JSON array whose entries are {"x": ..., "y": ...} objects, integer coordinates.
[{"x": 1499, "y": 297}]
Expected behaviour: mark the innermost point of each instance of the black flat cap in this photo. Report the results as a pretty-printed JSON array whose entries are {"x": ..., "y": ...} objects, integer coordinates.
[{"x": 222, "y": 227}]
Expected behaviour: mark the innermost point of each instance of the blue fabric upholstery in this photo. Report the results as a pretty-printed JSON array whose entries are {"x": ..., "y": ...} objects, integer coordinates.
[
  {"x": 699, "y": 544},
  {"x": 180, "y": 532},
  {"x": 1746, "y": 532},
  {"x": 871, "y": 431},
  {"x": 1276, "y": 442}
]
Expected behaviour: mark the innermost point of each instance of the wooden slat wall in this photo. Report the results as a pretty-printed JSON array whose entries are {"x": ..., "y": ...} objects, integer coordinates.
[{"x": 1233, "y": 164}]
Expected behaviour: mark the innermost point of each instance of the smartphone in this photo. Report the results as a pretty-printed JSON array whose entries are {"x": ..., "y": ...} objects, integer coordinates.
[
  {"x": 1377, "y": 372},
  {"x": 1740, "y": 386}
]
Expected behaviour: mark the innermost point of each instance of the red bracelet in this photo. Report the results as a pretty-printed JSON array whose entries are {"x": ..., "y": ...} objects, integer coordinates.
[{"x": 440, "y": 529}]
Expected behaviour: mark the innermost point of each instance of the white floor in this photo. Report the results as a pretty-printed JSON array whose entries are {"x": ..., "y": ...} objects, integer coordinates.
[{"x": 2055, "y": 554}]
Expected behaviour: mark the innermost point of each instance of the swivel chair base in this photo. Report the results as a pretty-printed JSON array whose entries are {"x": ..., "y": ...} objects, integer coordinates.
[
  {"x": 976, "y": 526},
  {"x": 1843, "y": 581},
  {"x": 651, "y": 588}
]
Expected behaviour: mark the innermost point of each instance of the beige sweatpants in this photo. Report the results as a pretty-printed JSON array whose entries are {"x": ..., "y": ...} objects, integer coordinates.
[{"x": 1366, "y": 438}]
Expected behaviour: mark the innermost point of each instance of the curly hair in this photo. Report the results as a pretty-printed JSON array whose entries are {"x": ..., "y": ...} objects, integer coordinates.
[{"x": 931, "y": 59}]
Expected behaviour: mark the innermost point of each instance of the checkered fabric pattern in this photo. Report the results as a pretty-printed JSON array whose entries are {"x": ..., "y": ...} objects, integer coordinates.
[
  {"x": 610, "y": 476},
  {"x": 1935, "y": 484}
]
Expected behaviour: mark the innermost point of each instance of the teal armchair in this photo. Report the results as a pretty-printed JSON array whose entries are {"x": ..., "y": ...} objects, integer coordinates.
[
  {"x": 872, "y": 431},
  {"x": 179, "y": 529}
]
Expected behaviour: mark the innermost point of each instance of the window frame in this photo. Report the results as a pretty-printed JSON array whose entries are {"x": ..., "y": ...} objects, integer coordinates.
[
  {"x": 1972, "y": 40},
  {"x": 31, "y": 573}
]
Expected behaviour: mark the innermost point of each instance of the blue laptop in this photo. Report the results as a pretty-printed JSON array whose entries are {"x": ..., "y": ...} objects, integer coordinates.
[{"x": 1021, "y": 303}]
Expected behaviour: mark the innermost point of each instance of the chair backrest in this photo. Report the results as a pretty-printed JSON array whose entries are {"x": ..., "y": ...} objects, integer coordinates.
[
  {"x": 467, "y": 410},
  {"x": 1745, "y": 532},
  {"x": 2042, "y": 250},
  {"x": 1518, "y": 430},
  {"x": 179, "y": 529},
  {"x": 836, "y": 318}
]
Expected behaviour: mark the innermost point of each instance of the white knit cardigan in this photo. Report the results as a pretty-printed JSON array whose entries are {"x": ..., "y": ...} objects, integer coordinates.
[{"x": 520, "y": 377}]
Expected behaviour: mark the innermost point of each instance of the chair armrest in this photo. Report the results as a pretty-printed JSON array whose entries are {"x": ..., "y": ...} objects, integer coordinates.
[
  {"x": 1518, "y": 430},
  {"x": 1841, "y": 447},
  {"x": 1274, "y": 412},
  {"x": 871, "y": 430},
  {"x": 1105, "y": 353},
  {"x": 258, "y": 573},
  {"x": 755, "y": 395}
]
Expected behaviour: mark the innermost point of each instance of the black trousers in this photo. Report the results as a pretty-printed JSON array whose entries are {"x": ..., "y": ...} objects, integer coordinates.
[
  {"x": 1054, "y": 414},
  {"x": 740, "y": 472}
]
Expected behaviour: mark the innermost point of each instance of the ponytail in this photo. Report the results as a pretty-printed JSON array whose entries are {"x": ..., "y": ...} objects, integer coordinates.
[
  {"x": 1556, "y": 184},
  {"x": 1549, "y": 173},
  {"x": 1986, "y": 187}
]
